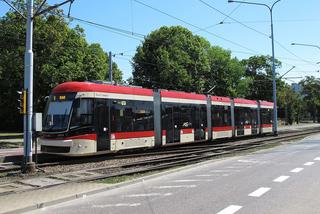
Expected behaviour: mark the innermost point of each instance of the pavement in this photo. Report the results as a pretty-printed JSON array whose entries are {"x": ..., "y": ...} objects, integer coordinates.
[{"x": 284, "y": 179}]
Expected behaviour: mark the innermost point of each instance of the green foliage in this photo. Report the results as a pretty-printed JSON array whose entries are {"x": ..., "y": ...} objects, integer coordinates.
[
  {"x": 171, "y": 58},
  {"x": 225, "y": 73},
  {"x": 311, "y": 96},
  {"x": 174, "y": 58},
  {"x": 290, "y": 104},
  {"x": 259, "y": 70},
  {"x": 60, "y": 54}
]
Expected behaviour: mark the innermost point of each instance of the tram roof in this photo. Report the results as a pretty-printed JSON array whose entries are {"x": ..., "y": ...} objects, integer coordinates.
[{"x": 69, "y": 87}]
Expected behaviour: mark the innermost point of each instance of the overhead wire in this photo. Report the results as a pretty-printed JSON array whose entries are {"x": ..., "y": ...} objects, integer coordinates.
[
  {"x": 195, "y": 26},
  {"x": 253, "y": 29}
]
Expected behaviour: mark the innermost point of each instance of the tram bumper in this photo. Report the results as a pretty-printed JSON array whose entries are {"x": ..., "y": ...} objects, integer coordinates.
[{"x": 72, "y": 147}]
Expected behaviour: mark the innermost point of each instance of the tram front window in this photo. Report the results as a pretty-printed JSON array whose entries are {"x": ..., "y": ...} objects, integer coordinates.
[{"x": 57, "y": 115}]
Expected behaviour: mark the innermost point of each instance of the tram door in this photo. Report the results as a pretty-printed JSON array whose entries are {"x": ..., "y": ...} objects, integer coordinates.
[
  {"x": 172, "y": 129},
  {"x": 200, "y": 123},
  {"x": 254, "y": 121},
  {"x": 102, "y": 124}
]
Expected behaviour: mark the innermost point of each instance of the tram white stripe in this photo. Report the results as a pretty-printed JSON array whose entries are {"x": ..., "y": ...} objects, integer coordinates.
[
  {"x": 308, "y": 163},
  {"x": 317, "y": 158},
  {"x": 296, "y": 170},
  {"x": 230, "y": 210},
  {"x": 259, "y": 192},
  {"x": 281, "y": 178}
]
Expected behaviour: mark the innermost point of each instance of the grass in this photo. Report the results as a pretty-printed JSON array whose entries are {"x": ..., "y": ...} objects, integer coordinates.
[
  {"x": 120, "y": 179},
  {"x": 11, "y": 134}
]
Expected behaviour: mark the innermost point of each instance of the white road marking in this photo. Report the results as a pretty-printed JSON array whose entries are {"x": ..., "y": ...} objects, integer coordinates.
[
  {"x": 308, "y": 163},
  {"x": 178, "y": 186},
  {"x": 296, "y": 170},
  {"x": 117, "y": 205},
  {"x": 205, "y": 175},
  {"x": 147, "y": 195},
  {"x": 191, "y": 180},
  {"x": 230, "y": 210},
  {"x": 259, "y": 192},
  {"x": 247, "y": 161},
  {"x": 317, "y": 158},
  {"x": 281, "y": 178},
  {"x": 226, "y": 170}
]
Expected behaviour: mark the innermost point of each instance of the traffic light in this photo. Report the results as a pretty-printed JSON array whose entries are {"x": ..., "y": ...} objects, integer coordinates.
[{"x": 22, "y": 101}]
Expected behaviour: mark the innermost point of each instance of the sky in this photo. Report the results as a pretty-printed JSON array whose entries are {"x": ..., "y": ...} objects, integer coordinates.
[{"x": 246, "y": 32}]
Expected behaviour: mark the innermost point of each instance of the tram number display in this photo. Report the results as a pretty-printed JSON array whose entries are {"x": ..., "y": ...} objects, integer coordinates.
[{"x": 62, "y": 97}]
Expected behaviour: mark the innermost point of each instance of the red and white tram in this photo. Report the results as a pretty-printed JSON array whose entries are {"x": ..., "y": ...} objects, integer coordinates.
[{"x": 84, "y": 118}]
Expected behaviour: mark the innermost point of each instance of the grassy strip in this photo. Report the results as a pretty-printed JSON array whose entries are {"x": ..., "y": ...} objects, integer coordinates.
[
  {"x": 120, "y": 179},
  {"x": 10, "y": 134}
]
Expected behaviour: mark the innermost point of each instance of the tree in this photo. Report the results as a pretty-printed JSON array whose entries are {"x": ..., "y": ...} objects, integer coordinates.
[
  {"x": 172, "y": 58},
  {"x": 226, "y": 73},
  {"x": 310, "y": 91},
  {"x": 290, "y": 104},
  {"x": 259, "y": 69},
  {"x": 60, "y": 54}
]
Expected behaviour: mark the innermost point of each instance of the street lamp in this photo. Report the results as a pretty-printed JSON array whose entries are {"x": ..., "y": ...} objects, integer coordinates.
[
  {"x": 301, "y": 44},
  {"x": 275, "y": 114}
]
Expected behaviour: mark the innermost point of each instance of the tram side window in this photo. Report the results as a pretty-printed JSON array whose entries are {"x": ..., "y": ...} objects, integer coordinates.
[
  {"x": 128, "y": 116},
  {"x": 221, "y": 116},
  {"x": 266, "y": 116},
  {"x": 143, "y": 116},
  {"x": 82, "y": 114}
]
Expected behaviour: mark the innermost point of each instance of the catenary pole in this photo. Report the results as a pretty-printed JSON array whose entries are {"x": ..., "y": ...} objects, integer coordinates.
[
  {"x": 28, "y": 86},
  {"x": 274, "y": 86}
]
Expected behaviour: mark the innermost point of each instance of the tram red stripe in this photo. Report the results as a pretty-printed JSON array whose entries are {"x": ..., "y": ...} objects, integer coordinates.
[
  {"x": 247, "y": 126},
  {"x": 82, "y": 137},
  {"x": 266, "y": 125},
  {"x": 186, "y": 131},
  {"x": 126, "y": 135},
  {"x": 222, "y": 128}
]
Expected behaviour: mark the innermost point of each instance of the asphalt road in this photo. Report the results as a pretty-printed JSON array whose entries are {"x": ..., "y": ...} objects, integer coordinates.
[{"x": 285, "y": 179}]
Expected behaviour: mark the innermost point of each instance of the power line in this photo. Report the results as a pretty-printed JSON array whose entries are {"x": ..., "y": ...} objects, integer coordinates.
[
  {"x": 223, "y": 21},
  {"x": 118, "y": 31},
  {"x": 199, "y": 28},
  {"x": 253, "y": 29}
]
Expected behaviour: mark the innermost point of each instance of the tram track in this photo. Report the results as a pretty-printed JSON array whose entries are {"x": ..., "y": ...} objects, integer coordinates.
[{"x": 167, "y": 152}]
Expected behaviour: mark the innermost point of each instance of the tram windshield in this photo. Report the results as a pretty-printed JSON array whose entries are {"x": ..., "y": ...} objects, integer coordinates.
[{"x": 57, "y": 113}]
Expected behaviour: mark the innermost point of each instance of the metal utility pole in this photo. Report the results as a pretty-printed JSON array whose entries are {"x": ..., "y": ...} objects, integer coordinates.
[
  {"x": 110, "y": 66},
  {"x": 28, "y": 165},
  {"x": 275, "y": 112},
  {"x": 28, "y": 86}
]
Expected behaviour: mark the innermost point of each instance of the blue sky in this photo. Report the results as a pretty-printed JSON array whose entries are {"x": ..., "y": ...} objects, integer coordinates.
[{"x": 294, "y": 21}]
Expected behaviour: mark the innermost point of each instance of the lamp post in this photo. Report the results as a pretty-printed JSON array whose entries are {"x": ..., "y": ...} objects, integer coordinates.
[
  {"x": 275, "y": 114},
  {"x": 310, "y": 45}
]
